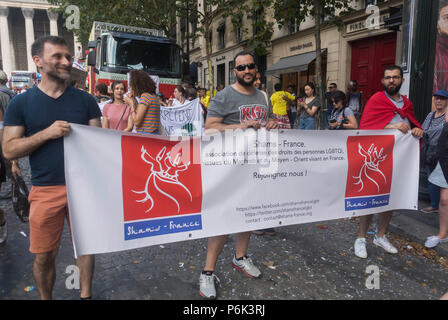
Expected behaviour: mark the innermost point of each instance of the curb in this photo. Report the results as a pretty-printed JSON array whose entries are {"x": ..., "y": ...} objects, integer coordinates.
[{"x": 415, "y": 230}]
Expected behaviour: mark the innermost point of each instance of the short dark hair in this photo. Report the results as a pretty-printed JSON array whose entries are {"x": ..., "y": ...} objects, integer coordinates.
[
  {"x": 333, "y": 84},
  {"x": 37, "y": 47},
  {"x": 339, "y": 96},
  {"x": 116, "y": 82},
  {"x": 394, "y": 67},
  {"x": 101, "y": 88},
  {"x": 243, "y": 53},
  {"x": 290, "y": 86},
  {"x": 278, "y": 87},
  {"x": 192, "y": 93},
  {"x": 311, "y": 85},
  {"x": 443, "y": 4},
  {"x": 353, "y": 83}
]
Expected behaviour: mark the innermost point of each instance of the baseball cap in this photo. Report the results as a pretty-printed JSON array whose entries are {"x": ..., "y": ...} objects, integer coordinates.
[
  {"x": 3, "y": 76},
  {"x": 441, "y": 93}
]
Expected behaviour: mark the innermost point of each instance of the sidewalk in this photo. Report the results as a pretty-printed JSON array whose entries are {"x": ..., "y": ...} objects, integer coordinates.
[{"x": 417, "y": 226}]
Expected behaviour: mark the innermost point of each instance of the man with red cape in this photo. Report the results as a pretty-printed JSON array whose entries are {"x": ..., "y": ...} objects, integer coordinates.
[{"x": 386, "y": 110}]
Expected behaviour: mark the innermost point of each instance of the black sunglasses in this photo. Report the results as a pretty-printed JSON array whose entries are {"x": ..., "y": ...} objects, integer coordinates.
[{"x": 242, "y": 67}]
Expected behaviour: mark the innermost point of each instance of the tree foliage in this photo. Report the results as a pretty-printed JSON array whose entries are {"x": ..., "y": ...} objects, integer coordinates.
[
  {"x": 263, "y": 28},
  {"x": 207, "y": 12},
  {"x": 286, "y": 11},
  {"x": 156, "y": 14}
]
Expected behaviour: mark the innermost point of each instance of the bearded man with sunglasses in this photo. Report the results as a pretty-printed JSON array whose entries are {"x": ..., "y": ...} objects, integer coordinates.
[{"x": 239, "y": 106}]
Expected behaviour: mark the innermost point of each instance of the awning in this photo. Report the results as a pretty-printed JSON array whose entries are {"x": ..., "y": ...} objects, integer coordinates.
[{"x": 291, "y": 64}]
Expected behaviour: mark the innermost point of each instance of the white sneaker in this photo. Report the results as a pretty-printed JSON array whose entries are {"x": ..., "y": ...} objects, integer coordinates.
[
  {"x": 385, "y": 244},
  {"x": 247, "y": 267},
  {"x": 360, "y": 248},
  {"x": 433, "y": 241},
  {"x": 3, "y": 233},
  {"x": 207, "y": 286}
]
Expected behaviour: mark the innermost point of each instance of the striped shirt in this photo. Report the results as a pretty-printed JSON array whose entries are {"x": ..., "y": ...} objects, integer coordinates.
[{"x": 151, "y": 119}]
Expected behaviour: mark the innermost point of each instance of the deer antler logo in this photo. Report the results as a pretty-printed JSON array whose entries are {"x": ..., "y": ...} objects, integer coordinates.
[
  {"x": 372, "y": 160},
  {"x": 162, "y": 169}
]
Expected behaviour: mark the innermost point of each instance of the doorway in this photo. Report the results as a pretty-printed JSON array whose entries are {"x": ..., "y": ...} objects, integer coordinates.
[{"x": 370, "y": 57}]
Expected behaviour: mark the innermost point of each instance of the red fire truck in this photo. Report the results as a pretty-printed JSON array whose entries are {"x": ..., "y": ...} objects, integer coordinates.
[{"x": 117, "y": 49}]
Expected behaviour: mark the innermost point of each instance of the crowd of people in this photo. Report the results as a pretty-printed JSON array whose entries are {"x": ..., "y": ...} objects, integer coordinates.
[
  {"x": 126, "y": 109},
  {"x": 35, "y": 122},
  {"x": 302, "y": 111}
]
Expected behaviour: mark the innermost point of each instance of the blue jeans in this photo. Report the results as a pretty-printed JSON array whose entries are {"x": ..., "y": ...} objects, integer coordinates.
[
  {"x": 434, "y": 192},
  {"x": 307, "y": 123}
]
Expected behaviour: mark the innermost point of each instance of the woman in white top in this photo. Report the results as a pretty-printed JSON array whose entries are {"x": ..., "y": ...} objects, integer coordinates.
[{"x": 179, "y": 97}]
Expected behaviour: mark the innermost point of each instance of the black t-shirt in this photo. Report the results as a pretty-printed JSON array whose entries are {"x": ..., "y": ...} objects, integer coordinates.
[{"x": 36, "y": 111}]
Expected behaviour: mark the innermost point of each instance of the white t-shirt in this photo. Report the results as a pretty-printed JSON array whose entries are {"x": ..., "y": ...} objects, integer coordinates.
[{"x": 178, "y": 103}]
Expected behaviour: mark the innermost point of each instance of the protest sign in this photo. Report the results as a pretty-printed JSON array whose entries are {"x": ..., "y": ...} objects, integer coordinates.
[{"x": 182, "y": 120}]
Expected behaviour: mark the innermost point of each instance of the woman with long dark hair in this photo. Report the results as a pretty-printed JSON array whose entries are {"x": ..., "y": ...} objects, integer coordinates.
[
  {"x": 116, "y": 115},
  {"x": 308, "y": 108},
  {"x": 144, "y": 104}
]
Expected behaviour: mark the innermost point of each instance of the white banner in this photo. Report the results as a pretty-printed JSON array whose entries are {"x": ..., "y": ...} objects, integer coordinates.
[
  {"x": 182, "y": 120},
  {"x": 129, "y": 191}
]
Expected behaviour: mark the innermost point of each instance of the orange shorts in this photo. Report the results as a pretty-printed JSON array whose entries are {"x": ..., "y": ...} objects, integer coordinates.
[{"x": 48, "y": 210}]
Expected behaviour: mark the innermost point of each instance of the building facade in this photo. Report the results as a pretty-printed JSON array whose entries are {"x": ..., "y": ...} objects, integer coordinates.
[
  {"x": 226, "y": 42},
  {"x": 358, "y": 51},
  {"x": 21, "y": 22}
]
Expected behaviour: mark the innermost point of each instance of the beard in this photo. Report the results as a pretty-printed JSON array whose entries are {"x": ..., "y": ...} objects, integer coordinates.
[
  {"x": 244, "y": 83},
  {"x": 57, "y": 76},
  {"x": 392, "y": 91}
]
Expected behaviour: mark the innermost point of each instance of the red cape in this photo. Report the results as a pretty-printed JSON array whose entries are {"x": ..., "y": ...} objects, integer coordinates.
[{"x": 379, "y": 111}]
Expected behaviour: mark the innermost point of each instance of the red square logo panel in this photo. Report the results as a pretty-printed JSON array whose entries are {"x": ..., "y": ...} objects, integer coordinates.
[
  {"x": 370, "y": 165},
  {"x": 160, "y": 178}
]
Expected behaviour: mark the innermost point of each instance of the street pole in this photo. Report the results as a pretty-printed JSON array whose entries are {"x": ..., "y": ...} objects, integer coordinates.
[
  {"x": 320, "y": 93},
  {"x": 188, "y": 39}
]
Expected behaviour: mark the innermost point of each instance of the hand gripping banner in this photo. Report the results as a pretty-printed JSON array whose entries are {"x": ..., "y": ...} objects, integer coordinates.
[{"x": 129, "y": 191}]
